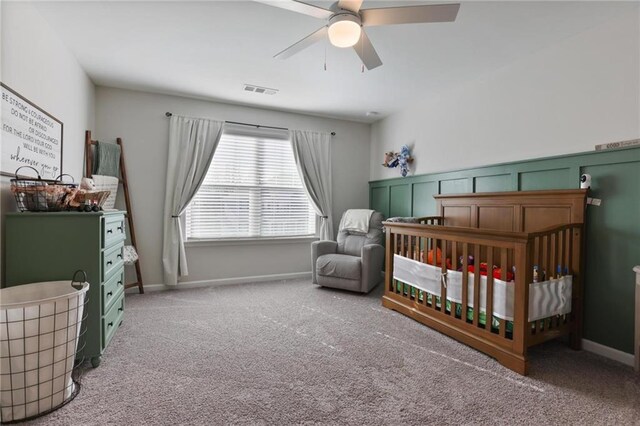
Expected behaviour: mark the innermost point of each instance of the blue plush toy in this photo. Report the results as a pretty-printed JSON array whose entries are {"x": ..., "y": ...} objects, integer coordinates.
[{"x": 403, "y": 160}]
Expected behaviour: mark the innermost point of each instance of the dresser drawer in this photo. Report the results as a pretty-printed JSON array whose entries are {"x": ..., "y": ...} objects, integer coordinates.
[
  {"x": 113, "y": 230},
  {"x": 111, "y": 289},
  {"x": 112, "y": 261},
  {"x": 112, "y": 320}
]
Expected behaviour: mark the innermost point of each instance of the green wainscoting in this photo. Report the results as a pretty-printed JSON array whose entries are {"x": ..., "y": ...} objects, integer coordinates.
[{"x": 613, "y": 228}]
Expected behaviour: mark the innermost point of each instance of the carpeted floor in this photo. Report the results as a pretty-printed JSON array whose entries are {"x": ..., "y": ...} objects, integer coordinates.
[{"x": 293, "y": 353}]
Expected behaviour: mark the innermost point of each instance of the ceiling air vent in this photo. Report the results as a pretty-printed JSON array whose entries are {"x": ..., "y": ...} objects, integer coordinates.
[{"x": 259, "y": 89}]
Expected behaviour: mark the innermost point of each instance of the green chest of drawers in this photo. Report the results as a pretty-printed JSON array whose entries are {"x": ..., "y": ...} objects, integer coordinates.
[{"x": 52, "y": 246}]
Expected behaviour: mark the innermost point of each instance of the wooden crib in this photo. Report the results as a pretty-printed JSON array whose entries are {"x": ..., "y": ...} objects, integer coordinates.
[{"x": 513, "y": 231}]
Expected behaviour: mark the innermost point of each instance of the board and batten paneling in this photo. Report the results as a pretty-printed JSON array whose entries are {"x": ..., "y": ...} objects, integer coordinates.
[
  {"x": 399, "y": 200},
  {"x": 612, "y": 229},
  {"x": 492, "y": 183},
  {"x": 423, "y": 201}
]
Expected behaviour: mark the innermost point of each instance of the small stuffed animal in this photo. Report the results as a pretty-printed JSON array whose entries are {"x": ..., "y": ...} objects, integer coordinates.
[
  {"x": 87, "y": 184},
  {"x": 390, "y": 159}
]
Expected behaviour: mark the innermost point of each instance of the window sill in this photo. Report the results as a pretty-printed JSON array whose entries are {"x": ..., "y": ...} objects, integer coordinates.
[{"x": 248, "y": 241}]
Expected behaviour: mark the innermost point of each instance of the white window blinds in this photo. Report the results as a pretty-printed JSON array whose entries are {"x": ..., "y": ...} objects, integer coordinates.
[{"x": 252, "y": 190}]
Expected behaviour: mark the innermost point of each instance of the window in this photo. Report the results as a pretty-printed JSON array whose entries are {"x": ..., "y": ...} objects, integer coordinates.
[{"x": 252, "y": 190}]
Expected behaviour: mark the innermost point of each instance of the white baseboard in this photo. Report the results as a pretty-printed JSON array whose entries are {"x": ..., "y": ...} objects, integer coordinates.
[
  {"x": 607, "y": 352},
  {"x": 223, "y": 281}
]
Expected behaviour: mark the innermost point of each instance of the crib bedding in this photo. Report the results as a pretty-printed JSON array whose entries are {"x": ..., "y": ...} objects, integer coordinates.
[{"x": 546, "y": 298}]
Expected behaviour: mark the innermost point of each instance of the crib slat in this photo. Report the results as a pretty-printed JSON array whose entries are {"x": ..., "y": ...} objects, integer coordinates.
[
  {"x": 416, "y": 257},
  {"x": 549, "y": 268},
  {"x": 434, "y": 262},
  {"x": 556, "y": 255},
  {"x": 454, "y": 255},
  {"x": 394, "y": 283},
  {"x": 560, "y": 251},
  {"x": 426, "y": 241},
  {"x": 476, "y": 285},
  {"x": 465, "y": 280},
  {"x": 443, "y": 270},
  {"x": 504, "y": 264},
  {"x": 567, "y": 240},
  {"x": 454, "y": 266},
  {"x": 539, "y": 261},
  {"x": 552, "y": 260},
  {"x": 565, "y": 251},
  {"x": 409, "y": 255},
  {"x": 571, "y": 271},
  {"x": 489, "y": 306}
]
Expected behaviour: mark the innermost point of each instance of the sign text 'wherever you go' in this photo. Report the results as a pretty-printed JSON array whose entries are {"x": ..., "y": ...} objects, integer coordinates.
[{"x": 30, "y": 137}]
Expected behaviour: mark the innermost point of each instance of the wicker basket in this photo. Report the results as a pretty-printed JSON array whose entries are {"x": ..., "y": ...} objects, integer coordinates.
[
  {"x": 42, "y": 195},
  {"x": 94, "y": 198}
]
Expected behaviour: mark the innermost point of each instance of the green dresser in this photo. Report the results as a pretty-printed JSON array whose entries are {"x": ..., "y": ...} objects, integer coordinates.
[{"x": 51, "y": 246}]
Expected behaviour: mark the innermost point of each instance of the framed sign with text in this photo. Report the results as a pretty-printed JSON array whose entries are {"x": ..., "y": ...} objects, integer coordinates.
[{"x": 30, "y": 137}]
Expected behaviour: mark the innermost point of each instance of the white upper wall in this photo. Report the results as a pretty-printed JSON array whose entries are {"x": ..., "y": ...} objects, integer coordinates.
[
  {"x": 564, "y": 99},
  {"x": 37, "y": 65},
  {"x": 139, "y": 118}
]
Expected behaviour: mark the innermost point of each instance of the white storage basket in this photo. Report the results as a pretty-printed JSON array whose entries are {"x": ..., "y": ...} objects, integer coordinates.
[
  {"x": 39, "y": 331},
  {"x": 107, "y": 183}
]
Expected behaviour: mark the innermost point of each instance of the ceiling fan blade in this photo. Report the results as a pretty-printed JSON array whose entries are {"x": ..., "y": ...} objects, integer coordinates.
[
  {"x": 352, "y": 5},
  {"x": 300, "y": 7},
  {"x": 303, "y": 44},
  {"x": 410, "y": 14},
  {"x": 367, "y": 53}
]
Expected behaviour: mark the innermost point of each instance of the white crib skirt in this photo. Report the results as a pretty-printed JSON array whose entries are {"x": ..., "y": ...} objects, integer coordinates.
[{"x": 546, "y": 299}]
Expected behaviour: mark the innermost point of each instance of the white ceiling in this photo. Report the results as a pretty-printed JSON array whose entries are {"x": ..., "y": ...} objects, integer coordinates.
[{"x": 209, "y": 49}]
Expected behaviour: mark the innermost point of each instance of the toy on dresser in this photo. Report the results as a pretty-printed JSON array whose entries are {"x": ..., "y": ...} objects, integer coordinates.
[{"x": 87, "y": 199}]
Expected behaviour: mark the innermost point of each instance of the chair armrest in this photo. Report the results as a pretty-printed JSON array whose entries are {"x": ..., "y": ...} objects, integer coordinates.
[
  {"x": 372, "y": 263},
  {"x": 319, "y": 248}
]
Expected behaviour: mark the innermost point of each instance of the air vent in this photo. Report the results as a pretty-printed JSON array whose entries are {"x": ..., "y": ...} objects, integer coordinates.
[{"x": 259, "y": 89}]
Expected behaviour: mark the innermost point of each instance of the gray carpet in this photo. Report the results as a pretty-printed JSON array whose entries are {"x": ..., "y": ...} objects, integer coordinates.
[{"x": 293, "y": 353}]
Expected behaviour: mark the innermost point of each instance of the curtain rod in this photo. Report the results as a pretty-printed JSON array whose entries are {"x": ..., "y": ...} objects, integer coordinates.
[{"x": 169, "y": 114}]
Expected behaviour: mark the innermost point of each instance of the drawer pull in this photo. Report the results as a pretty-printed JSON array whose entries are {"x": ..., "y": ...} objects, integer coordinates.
[
  {"x": 119, "y": 256},
  {"x": 119, "y": 282},
  {"x": 120, "y": 228},
  {"x": 120, "y": 309},
  {"x": 109, "y": 262},
  {"x": 110, "y": 324},
  {"x": 109, "y": 231},
  {"x": 110, "y": 293}
]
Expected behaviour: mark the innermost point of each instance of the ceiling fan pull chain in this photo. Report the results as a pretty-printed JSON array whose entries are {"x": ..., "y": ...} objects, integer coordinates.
[
  {"x": 362, "y": 53},
  {"x": 325, "y": 56}
]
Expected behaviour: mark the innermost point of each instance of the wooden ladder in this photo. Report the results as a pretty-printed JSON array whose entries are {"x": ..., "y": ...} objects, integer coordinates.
[{"x": 89, "y": 143}]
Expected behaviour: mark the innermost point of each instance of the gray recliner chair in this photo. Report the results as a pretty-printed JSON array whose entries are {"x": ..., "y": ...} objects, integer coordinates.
[{"x": 352, "y": 263}]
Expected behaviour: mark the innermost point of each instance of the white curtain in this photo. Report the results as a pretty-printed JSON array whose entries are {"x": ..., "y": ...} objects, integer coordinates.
[
  {"x": 312, "y": 152},
  {"x": 192, "y": 143}
]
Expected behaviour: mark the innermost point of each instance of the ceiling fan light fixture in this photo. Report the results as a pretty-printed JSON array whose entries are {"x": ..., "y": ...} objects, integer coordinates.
[{"x": 344, "y": 30}]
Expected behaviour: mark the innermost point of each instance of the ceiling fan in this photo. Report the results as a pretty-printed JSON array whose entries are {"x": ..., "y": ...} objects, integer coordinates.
[{"x": 345, "y": 20}]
